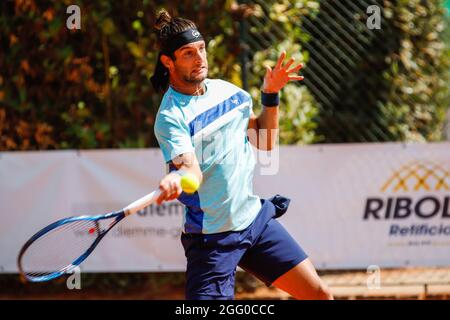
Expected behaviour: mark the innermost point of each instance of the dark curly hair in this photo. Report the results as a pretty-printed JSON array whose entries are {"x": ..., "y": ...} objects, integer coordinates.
[{"x": 167, "y": 26}]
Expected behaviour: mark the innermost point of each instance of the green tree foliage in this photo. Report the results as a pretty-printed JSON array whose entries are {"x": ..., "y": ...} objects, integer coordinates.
[
  {"x": 90, "y": 88},
  {"x": 281, "y": 22},
  {"x": 374, "y": 85},
  {"x": 418, "y": 75}
]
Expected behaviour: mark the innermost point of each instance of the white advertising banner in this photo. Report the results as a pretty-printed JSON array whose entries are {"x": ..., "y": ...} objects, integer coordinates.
[
  {"x": 352, "y": 205},
  {"x": 356, "y": 205}
]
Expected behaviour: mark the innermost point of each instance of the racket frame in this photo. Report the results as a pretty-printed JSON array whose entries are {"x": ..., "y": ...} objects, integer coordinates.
[{"x": 118, "y": 215}]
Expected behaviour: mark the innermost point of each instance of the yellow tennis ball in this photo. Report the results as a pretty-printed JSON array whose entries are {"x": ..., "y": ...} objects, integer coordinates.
[{"x": 189, "y": 183}]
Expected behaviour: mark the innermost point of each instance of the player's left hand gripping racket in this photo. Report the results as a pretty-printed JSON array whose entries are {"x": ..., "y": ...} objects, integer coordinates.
[{"x": 61, "y": 246}]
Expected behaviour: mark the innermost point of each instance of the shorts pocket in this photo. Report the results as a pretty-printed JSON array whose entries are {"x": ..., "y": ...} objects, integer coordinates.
[
  {"x": 222, "y": 240},
  {"x": 190, "y": 241}
]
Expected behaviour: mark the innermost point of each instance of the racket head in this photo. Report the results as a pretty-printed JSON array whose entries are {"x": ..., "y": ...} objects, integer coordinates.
[{"x": 43, "y": 257}]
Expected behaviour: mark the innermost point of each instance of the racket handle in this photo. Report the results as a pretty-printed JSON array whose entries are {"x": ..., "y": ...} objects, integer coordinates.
[{"x": 142, "y": 202}]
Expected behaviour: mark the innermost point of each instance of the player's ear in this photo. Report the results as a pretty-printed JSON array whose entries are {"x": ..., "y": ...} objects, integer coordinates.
[{"x": 167, "y": 61}]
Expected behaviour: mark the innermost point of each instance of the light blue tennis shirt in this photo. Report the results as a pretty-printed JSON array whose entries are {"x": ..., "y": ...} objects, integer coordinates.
[{"x": 214, "y": 126}]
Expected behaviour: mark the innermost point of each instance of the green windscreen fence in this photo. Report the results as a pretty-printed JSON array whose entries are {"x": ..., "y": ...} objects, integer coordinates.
[{"x": 372, "y": 83}]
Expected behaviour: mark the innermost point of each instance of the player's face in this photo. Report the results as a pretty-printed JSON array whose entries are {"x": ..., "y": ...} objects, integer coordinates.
[{"x": 190, "y": 64}]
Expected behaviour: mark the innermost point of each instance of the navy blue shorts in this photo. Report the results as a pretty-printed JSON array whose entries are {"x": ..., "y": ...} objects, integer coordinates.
[{"x": 264, "y": 249}]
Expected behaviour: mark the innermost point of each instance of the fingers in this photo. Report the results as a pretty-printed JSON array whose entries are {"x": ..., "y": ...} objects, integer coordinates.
[
  {"x": 276, "y": 78},
  {"x": 280, "y": 60},
  {"x": 170, "y": 189},
  {"x": 167, "y": 195},
  {"x": 176, "y": 191},
  {"x": 161, "y": 197},
  {"x": 296, "y": 78},
  {"x": 289, "y": 63},
  {"x": 268, "y": 71},
  {"x": 295, "y": 69}
]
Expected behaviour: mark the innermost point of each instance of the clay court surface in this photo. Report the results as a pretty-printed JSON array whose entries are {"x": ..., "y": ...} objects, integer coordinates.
[
  {"x": 413, "y": 283},
  {"x": 417, "y": 283}
]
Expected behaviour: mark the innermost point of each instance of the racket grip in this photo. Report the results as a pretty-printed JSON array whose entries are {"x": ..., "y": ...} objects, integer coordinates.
[{"x": 142, "y": 202}]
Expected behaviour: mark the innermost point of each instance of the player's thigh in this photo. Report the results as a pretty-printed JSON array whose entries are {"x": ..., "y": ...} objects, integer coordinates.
[
  {"x": 273, "y": 254},
  {"x": 303, "y": 282}
]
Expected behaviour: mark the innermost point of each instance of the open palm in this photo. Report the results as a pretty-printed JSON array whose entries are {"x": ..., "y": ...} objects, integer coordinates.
[{"x": 276, "y": 79}]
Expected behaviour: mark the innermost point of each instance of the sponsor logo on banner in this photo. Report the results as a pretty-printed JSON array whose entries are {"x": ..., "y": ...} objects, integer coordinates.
[{"x": 416, "y": 199}]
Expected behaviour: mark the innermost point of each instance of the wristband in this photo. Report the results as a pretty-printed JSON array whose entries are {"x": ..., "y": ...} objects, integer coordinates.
[{"x": 270, "y": 99}]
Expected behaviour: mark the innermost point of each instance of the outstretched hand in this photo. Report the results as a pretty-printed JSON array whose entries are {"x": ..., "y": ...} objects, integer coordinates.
[{"x": 276, "y": 79}]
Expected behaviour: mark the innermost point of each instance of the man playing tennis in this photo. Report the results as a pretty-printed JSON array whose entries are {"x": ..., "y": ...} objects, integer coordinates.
[{"x": 205, "y": 127}]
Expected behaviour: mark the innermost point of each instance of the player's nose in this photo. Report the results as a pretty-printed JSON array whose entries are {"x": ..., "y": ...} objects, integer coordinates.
[{"x": 200, "y": 56}]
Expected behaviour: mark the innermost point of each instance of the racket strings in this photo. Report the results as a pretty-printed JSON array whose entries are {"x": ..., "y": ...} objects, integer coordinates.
[
  {"x": 53, "y": 253},
  {"x": 56, "y": 250},
  {"x": 79, "y": 231}
]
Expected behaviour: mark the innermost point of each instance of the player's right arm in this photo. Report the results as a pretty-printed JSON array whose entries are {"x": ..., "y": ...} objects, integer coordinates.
[
  {"x": 174, "y": 138},
  {"x": 170, "y": 184}
]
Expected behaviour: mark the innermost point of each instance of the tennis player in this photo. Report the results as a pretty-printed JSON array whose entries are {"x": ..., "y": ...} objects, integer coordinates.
[{"x": 204, "y": 127}]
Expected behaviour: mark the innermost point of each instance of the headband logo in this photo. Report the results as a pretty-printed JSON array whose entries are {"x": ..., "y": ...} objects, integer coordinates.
[{"x": 195, "y": 33}]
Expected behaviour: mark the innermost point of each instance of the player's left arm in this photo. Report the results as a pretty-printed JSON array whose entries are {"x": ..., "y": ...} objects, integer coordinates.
[{"x": 263, "y": 129}]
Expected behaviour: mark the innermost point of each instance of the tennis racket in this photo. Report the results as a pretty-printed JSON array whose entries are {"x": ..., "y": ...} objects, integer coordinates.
[{"x": 63, "y": 245}]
